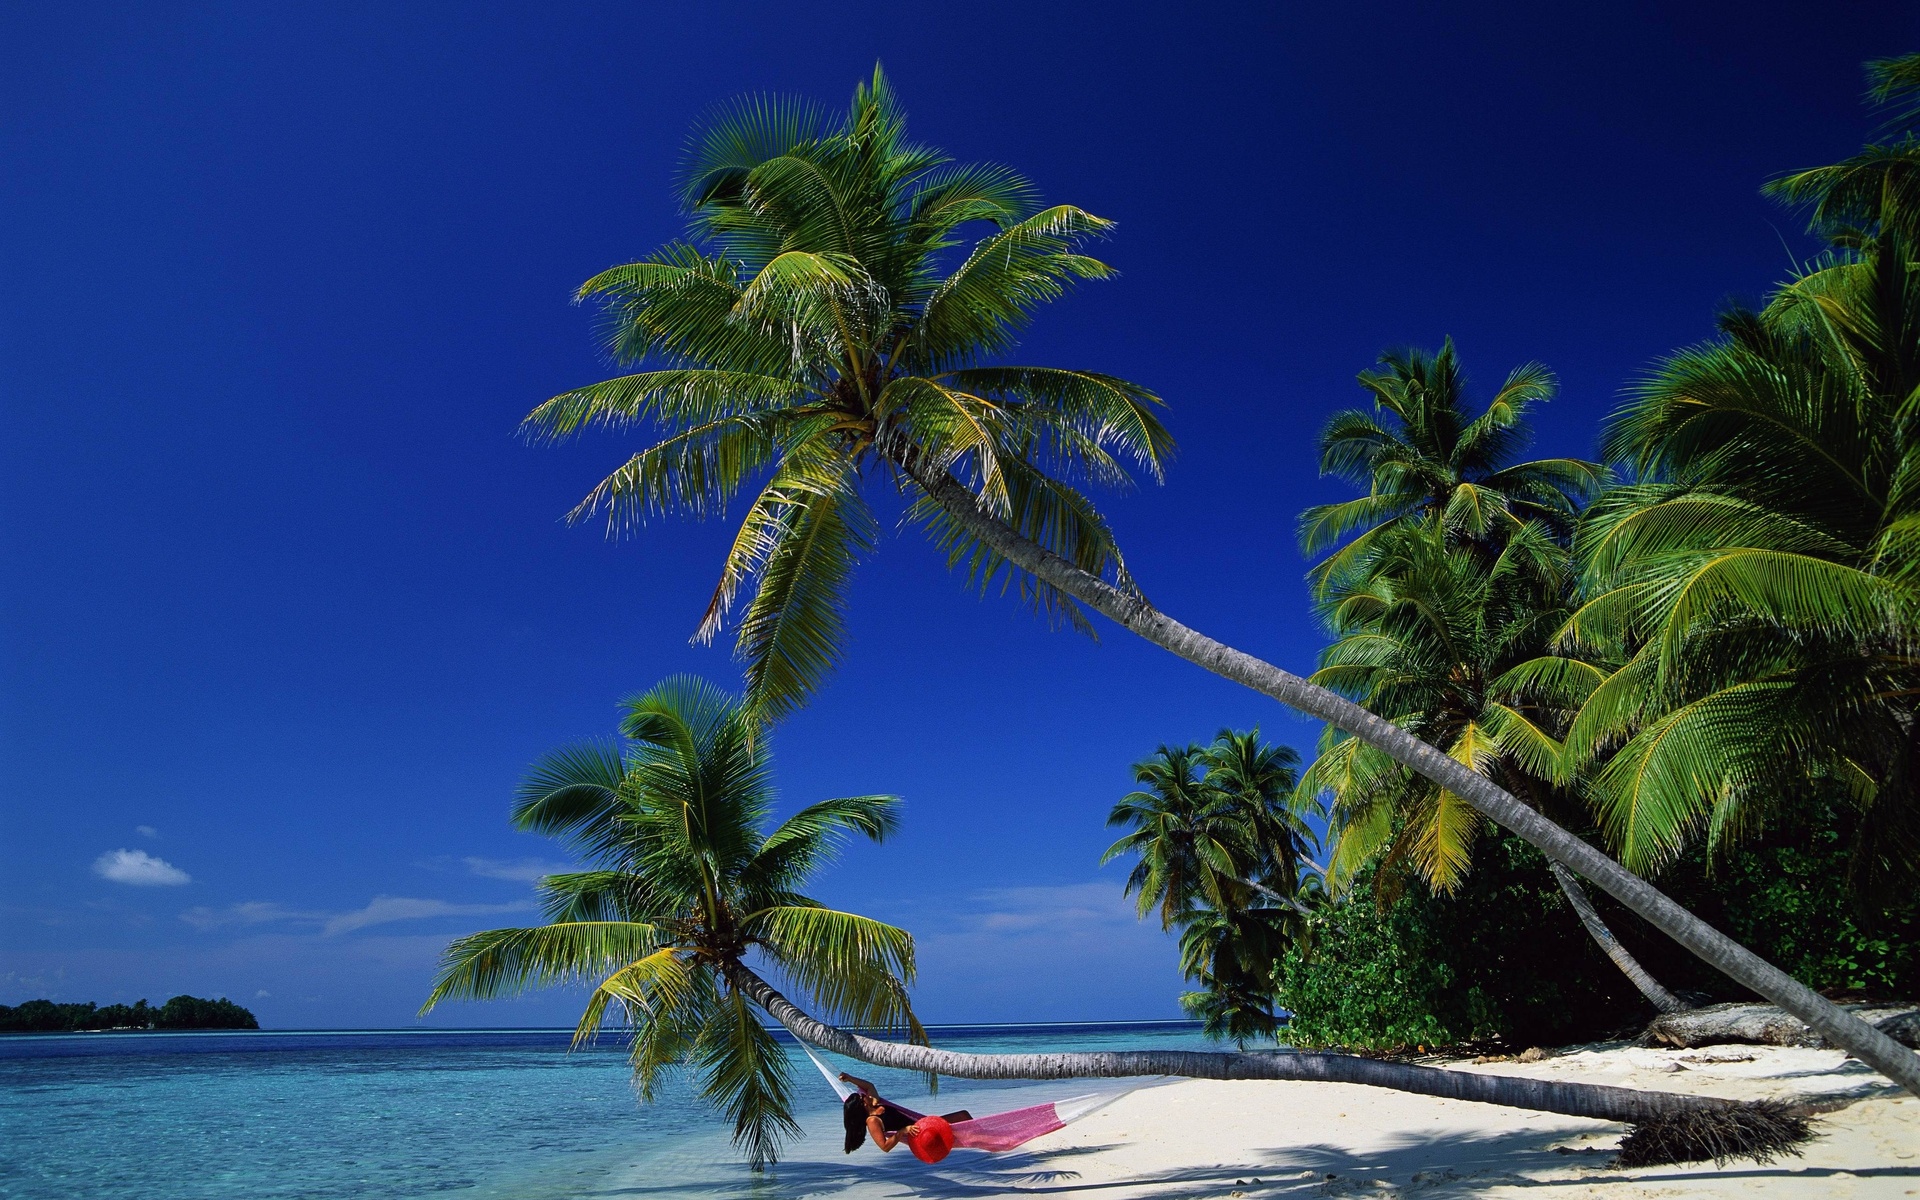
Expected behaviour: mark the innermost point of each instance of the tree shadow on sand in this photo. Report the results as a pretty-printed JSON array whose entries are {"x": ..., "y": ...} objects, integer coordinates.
[{"x": 1440, "y": 1163}]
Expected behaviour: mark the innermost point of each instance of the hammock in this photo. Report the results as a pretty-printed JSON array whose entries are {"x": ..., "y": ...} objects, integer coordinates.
[{"x": 997, "y": 1131}]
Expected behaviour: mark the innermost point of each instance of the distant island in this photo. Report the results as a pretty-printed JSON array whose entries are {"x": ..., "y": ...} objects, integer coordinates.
[{"x": 181, "y": 1012}]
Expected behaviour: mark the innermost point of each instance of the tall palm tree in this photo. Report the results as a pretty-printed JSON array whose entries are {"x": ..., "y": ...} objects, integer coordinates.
[
  {"x": 687, "y": 885},
  {"x": 810, "y": 340},
  {"x": 1756, "y": 593},
  {"x": 1456, "y": 651},
  {"x": 1423, "y": 456}
]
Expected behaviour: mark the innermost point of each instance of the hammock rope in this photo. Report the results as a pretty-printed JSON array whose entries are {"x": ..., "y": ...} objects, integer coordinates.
[{"x": 997, "y": 1132}]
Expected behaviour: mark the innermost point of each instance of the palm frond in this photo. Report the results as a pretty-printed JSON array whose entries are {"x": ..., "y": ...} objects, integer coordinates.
[{"x": 505, "y": 962}]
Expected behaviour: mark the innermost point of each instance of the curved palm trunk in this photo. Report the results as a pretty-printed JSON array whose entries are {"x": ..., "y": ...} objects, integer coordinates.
[
  {"x": 1658, "y": 996},
  {"x": 1130, "y": 609},
  {"x": 1598, "y": 1101}
]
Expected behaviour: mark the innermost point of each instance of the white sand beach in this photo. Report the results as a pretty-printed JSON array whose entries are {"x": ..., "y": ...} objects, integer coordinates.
[{"x": 1208, "y": 1139}]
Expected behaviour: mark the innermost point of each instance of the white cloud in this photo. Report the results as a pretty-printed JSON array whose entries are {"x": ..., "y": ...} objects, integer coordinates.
[
  {"x": 382, "y": 910},
  {"x": 138, "y": 868},
  {"x": 261, "y": 994},
  {"x": 521, "y": 870},
  {"x": 146, "y": 831}
]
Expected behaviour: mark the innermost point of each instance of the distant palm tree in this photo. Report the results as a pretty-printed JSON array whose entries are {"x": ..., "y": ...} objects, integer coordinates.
[
  {"x": 816, "y": 340},
  {"x": 1423, "y": 456},
  {"x": 1219, "y": 850},
  {"x": 687, "y": 886},
  {"x": 1211, "y": 821}
]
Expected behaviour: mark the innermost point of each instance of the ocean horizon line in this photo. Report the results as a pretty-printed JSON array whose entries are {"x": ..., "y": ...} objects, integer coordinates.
[{"x": 781, "y": 1033}]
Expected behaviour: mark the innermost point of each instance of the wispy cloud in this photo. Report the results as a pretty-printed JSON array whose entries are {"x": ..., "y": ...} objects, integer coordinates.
[
  {"x": 146, "y": 831},
  {"x": 1070, "y": 908},
  {"x": 252, "y": 912},
  {"x": 382, "y": 910},
  {"x": 521, "y": 870},
  {"x": 138, "y": 868}
]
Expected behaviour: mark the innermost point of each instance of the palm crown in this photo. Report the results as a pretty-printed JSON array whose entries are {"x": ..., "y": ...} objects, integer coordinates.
[
  {"x": 1754, "y": 591},
  {"x": 824, "y": 327},
  {"x": 686, "y": 884},
  {"x": 1456, "y": 651},
  {"x": 1207, "y": 822},
  {"x": 1216, "y": 841},
  {"x": 1422, "y": 456}
]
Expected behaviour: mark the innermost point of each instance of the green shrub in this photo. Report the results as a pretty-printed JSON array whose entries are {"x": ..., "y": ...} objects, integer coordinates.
[{"x": 1503, "y": 958}]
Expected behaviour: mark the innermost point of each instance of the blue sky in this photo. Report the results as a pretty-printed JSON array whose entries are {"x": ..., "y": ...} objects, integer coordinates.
[{"x": 287, "y": 608}]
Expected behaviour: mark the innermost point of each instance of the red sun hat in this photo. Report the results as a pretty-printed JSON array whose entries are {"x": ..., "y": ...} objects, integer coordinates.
[{"x": 930, "y": 1139}]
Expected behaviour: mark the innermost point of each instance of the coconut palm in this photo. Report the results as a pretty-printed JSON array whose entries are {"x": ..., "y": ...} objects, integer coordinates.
[
  {"x": 1219, "y": 850},
  {"x": 687, "y": 884},
  {"x": 811, "y": 341},
  {"x": 1422, "y": 456},
  {"x": 1458, "y": 652},
  {"x": 1878, "y": 188},
  {"x": 1756, "y": 593},
  {"x": 1210, "y": 823}
]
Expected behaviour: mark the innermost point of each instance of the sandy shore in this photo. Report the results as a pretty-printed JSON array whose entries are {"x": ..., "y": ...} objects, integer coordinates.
[{"x": 1256, "y": 1139}]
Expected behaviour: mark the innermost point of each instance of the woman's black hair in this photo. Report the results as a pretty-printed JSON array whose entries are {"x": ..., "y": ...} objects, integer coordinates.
[{"x": 853, "y": 1114}]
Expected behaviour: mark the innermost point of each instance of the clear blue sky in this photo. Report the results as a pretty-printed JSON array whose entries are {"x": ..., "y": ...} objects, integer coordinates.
[{"x": 287, "y": 608}]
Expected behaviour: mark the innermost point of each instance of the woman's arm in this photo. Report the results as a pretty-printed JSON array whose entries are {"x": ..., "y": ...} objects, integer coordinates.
[{"x": 858, "y": 1082}]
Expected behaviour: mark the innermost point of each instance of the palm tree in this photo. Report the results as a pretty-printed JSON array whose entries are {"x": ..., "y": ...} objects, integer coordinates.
[
  {"x": 1755, "y": 594},
  {"x": 687, "y": 884},
  {"x": 813, "y": 341},
  {"x": 1456, "y": 651},
  {"x": 1219, "y": 851},
  {"x": 1422, "y": 456},
  {"x": 1179, "y": 832}
]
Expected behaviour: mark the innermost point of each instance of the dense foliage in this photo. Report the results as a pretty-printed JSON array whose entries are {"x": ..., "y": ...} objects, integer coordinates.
[
  {"x": 1500, "y": 957},
  {"x": 1503, "y": 958},
  {"x": 1708, "y": 664},
  {"x": 181, "y": 1012}
]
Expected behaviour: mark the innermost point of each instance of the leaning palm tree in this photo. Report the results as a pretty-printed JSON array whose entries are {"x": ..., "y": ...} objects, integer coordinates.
[
  {"x": 687, "y": 885},
  {"x": 689, "y": 894},
  {"x": 1422, "y": 456},
  {"x": 813, "y": 340}
]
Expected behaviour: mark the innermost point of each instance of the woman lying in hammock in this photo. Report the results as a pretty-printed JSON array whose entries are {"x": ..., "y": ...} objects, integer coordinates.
[{"x": 866, "y": 1115}]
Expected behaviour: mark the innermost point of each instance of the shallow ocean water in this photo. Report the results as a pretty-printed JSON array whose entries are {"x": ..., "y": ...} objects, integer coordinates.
[{"x": 482, "y": 1114}]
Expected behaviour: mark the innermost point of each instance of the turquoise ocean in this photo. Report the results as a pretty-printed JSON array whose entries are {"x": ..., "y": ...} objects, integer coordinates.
[{"x": 485, "y": 1114}]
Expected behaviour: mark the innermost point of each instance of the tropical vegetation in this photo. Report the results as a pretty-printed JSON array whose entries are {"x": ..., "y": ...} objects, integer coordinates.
[
  {"x": 828, "y": 330},
  {"x": 181, "y": 1012},
  {"x": 1714, "y": 659},
  {"x": 1221, "y": 853},
  {"x": 687, "y": 884}
]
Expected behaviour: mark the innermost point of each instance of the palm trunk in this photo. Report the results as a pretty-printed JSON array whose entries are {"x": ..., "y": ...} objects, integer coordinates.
[
  {"x": 1270, "y": 894},
  {"x": 1658, "y": 996},
  {"x": 1131, "y": 610},
  {"x": 1597, "y": 1101}
]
